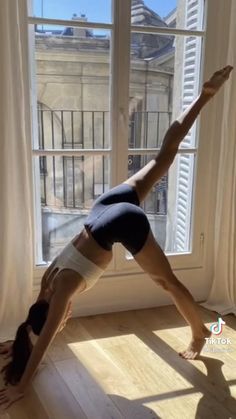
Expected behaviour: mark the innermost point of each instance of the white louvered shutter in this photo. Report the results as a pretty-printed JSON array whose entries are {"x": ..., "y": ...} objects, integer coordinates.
[{"x": 191, "y": 66}]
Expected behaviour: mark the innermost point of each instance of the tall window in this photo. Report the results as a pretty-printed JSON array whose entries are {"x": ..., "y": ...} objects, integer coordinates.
[{"x": 107, "y": 81}]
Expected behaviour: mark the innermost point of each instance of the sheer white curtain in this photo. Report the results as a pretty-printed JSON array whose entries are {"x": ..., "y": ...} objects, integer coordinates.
[
  {"x": 16, "y": 256},
  {"x": 222, "y": 297}
]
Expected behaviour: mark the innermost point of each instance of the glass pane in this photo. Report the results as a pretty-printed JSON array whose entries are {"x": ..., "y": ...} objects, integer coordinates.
[
  {"x": 168, "y": 205},
  {"x": 72, "y": 128},
  {"x": 72, "y": 85},
  {"x": 181, "y": 14},
  {"x": 72, "y": 95},
  {"x": 68, "y": 185},
  {"x": 164, "y": 80},
  {"x": 162, "y": 84},
  {"x": 80, "y": 10},
  {"x": 147, "y": 128}
]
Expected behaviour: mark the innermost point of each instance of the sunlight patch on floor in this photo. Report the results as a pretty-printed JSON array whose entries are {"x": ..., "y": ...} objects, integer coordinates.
[{"x": 128, "y": 357}]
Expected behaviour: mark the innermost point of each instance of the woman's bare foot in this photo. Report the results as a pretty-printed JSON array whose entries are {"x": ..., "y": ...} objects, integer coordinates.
[
  {"x": 196, "y": 345},
  {"x": 212, "y": 86}
]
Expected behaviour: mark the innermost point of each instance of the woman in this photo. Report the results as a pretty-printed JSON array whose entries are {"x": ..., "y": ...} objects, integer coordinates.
[{"x": 115, "y": 217}]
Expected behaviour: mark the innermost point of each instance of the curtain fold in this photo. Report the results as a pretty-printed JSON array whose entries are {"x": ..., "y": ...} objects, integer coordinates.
[
  {"x": 16, "y": 227},
  {"x": 222, "y": 297}
]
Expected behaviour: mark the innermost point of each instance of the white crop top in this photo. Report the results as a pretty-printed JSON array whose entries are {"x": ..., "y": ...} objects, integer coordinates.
[{"x": 71, "y": 258}]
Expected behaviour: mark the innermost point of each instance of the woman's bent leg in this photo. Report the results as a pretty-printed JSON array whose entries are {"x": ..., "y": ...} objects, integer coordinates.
[{"x": 153, "y": 261}]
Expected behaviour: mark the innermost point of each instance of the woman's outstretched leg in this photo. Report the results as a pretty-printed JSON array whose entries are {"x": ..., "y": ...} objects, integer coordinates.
[
  {"x": 152, "y": 260},
  {"x": 146, "y": 177}
]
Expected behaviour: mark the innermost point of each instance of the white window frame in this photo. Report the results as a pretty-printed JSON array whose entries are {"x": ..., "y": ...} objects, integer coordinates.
[{"x": 119, "y": 95}]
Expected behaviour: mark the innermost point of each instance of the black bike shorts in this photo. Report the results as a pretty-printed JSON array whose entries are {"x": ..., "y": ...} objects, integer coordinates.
[{"x": 117, "y": 217}]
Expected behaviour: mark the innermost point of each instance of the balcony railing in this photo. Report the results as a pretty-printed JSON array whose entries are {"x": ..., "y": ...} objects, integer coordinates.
[{"x": 74, "y": 182}]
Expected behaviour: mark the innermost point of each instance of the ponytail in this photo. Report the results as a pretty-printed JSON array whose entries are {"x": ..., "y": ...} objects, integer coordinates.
[
  {"x": 22, "y": 346},
  {"x": 21, "y": 350}
]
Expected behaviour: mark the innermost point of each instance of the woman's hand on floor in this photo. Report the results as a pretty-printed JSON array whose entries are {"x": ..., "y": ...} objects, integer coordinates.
[
  {"x": 9, "y": 395},
  {"x": 6, "y": 348}
]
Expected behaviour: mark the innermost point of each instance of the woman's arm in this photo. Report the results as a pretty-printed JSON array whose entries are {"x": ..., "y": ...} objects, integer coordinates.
[
  {"x": 57, "y": 310},
  {"x": 59, "y": 305}
]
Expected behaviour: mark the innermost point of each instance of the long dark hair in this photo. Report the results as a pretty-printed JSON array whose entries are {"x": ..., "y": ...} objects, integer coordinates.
[{"x": 22, "y": 346}]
